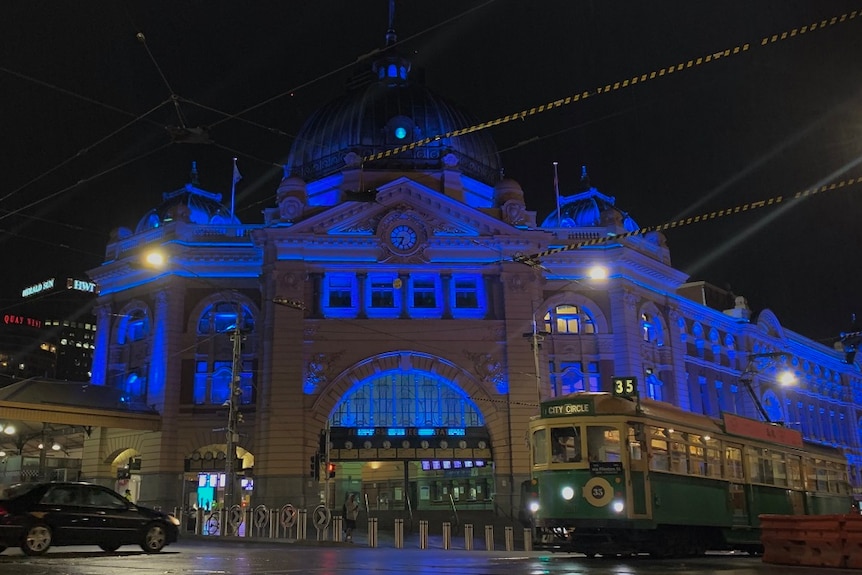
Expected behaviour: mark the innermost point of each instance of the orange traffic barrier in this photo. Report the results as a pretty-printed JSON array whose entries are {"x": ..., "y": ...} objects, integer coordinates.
[
  {"x": 809, "y": 540},
  {"x": 852, "y": 537}
]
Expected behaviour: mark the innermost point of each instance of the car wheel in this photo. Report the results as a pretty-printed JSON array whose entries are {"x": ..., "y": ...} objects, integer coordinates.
[
  {"x": 155, "y": 538},
  {"x": 109, "y": 547},
  {"x": 37, "y": 539}
]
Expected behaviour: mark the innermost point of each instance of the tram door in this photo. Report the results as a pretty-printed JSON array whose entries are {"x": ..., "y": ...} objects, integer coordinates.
[{"x": 638, "y": 470}]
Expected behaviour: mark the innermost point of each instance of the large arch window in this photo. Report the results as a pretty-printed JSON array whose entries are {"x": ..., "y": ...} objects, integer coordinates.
[
  {"x": 129, "y": 371},
  {"x": 568, "y": 318},
  {"x": 216, "y": 327},
  {"x": 406, "y": 398}
]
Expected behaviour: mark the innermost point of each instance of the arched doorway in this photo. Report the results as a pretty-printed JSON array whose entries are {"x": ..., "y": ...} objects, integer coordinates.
[{"x": 405, "y": 436}]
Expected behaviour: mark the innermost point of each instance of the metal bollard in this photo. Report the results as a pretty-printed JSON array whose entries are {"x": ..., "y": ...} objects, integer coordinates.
[
  {"x": 246, "y": 526},
  {"x": 447, "y": 535},
  {"x": 399, "y": 533},
  {"x": 510, "y": 538},
  {"x": 372, "y": 532},
  {"x": 489, "y": 537},
  {"x": 423, "y": 534},
  {"x": 338, "y": 529},
  {"x": 528, "y": 539},
  {"x": 199, "y": 521},
  {"x": 468, "y": 536},
  {"x": 301, "y": 524},
  {"x": 273, "y": 523},
  {"x": 222, "y": 521}
]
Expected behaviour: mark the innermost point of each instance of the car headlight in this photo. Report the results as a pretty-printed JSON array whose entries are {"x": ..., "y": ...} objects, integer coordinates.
[
  {"x": 534, "y": 506},
  {"x": 173, "y": 520},
  {"x": 618, "y": 506},
  {"x": 568, "y": 493}
]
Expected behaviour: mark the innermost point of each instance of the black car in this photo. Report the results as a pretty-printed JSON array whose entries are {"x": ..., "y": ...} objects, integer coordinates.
[{"x": 35, "y": 516}]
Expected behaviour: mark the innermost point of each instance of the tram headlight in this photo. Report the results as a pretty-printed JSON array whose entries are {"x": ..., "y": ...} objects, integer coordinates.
[
  {"x": 534, "y": 506},
  {"x": 618, "y": 506},
  {"x": 568, "y": 493}
]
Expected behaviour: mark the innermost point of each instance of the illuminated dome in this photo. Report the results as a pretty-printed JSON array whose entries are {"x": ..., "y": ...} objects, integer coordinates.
[
  {"x": 588, "y": 208},
  {"x": 391, "y": 111},
  {"x": 190, "y": 204}
]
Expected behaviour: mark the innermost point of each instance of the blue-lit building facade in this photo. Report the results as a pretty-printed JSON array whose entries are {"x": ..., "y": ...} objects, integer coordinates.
[{"x": 384, "y": 302}]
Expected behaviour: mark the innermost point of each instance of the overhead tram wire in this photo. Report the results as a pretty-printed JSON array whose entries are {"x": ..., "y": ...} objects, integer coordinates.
[
  {"x": 83, "y": 181},
  {"x": 625, "y": 83},
  {"x": 78, "y": 154},
  {"x": 372, "y": 54}
]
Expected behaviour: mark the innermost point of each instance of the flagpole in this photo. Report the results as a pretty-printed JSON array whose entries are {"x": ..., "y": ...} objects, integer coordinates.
[
  {"x": 557, "y": 192},
  {"x": 234, "y": 179}
]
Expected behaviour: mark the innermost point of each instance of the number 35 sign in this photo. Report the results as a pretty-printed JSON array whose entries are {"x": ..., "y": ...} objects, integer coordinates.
[{"x": 625, "y": 387}]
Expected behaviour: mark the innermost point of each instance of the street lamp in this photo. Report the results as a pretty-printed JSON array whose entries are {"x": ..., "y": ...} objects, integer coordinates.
[{"x": 751, "y": 370}]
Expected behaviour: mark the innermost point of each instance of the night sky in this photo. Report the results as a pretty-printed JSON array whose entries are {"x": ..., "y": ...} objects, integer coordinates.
[{"x": 87, "y": 107}]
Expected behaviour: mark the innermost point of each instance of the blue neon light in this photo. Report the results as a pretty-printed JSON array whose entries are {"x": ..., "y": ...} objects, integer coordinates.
[
  {"x": 365, "y": 431},
  {"x": 400, "y": 431},
  {"x": 456, "y": 431},
  {"x": 425, "y": 432},
  {"x": 400, "y": 133}
]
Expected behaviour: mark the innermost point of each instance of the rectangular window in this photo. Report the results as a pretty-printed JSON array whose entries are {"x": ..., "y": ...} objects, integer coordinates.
[
  {"x": 603, "y": 443},
  {"x": 382, "y": 293},
  {"x": 733, "y": 462},
  {"x": 540, "y": 447},
  {"x": 424, "y": 293},
  {"x": 466, "y": 293},
  {"x": 658, "y": 450},
  {"x": 199, "y": 395},
  {"x": 340, "y": 291}
]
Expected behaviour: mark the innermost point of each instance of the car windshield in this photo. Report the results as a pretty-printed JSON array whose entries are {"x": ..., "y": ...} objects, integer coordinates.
[{"x": 17, "y": 490}]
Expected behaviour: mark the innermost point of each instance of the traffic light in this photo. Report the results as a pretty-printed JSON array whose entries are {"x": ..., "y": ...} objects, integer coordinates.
[
  {"x": 330, "y": 469},
  {"x": 314, "y": 470}
]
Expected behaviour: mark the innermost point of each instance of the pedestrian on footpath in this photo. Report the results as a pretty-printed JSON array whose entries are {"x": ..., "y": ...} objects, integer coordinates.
[{"x": 350, "y": 509}]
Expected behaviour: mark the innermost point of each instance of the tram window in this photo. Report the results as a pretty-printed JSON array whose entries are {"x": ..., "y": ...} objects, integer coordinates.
[
  {"x": 635, "y": 442},
  {"x": 822, "y": 475},
  {"x": 678, "y": 458},
  {"x": 835, "y": 477},
  {"x": 697, "y": 464},
  {"x": 658, "y": 449},
  {"x": 779, "y": 469},
  {"x": 540, "y": 447},
  {"x": 603, "y": 443},
  {"x": 566, "y": 444},
  {"x": 794, "y": 472},
  {"x": 713, "y": 457},
  {"x": 733, "y": 462},
  {"x": 810, "y": 474},
  {"x": 754, "y": 469}
]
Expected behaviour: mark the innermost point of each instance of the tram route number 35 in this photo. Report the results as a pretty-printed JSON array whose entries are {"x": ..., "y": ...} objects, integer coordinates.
[{"x": 625, "y": 387}]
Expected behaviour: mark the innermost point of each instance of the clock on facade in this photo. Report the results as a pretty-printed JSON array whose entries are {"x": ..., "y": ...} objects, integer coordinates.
[{"x": 403, "y": 237}]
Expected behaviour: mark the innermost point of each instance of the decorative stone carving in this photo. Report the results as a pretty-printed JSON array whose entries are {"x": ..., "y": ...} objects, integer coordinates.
[
  {"x": 488, "y": 369},
  {"x": 514, "y": 213},
  {"x": 352, "y": 160},
  {"x": 318, "y": 370},
  {"x": 450, "y": 161},
  {"x": 290, "y": 209}
]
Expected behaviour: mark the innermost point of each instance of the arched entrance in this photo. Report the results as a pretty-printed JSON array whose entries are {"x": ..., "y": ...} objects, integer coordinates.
[{"x": 406, "y": 437}]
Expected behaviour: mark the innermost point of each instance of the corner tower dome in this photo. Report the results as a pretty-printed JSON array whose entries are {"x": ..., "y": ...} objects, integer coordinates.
[
  {"x": 588, "y": 208},
  {"x": 190, "y": 204},
  {"x": 388, "y": 110}
]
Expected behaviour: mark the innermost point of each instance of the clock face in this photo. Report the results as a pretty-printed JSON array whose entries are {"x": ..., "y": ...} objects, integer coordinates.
[{"x": 403, "y": 237}]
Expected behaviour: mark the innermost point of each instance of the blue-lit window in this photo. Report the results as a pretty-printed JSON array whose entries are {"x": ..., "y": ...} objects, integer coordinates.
[
  {"x": 409, "y": 399},
  {"x": 383, "y": 300},
  {"x": 221, "y": 317},
  {"x": 646, "y": 328},
  {"x": 199, "y": 394},
  {"x": 135, "y": 327},
  {"x": 135, "y": 388},
  {"x": 570, "y": 377},
  {"x": 221, "y": 376},
  {"x": 571, "y": 319},
  {"x": 340, "y": 290},
  {"x": 340, "y": 296},
  {"x": 424, "y": 293},
  {"x": 468, "y": 297},
  {"x": 772, "y": 405},
  {"x": 654, "y": 385}
]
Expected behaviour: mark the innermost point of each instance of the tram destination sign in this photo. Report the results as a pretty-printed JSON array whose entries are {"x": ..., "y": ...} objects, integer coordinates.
[{"x": 568, "y": 407}]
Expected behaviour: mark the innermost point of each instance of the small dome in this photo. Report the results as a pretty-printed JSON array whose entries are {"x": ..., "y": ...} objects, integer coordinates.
[
  {"x": 190, "y": 204},
  {"x": 587, "y": 209}
]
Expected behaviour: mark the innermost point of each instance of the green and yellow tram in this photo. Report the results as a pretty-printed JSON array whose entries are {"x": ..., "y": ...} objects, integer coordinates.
[{"x": 612, "y": 475}]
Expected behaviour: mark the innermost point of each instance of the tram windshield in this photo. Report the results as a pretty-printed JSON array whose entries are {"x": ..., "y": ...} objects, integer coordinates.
[{"x": 566, "y": 444}]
